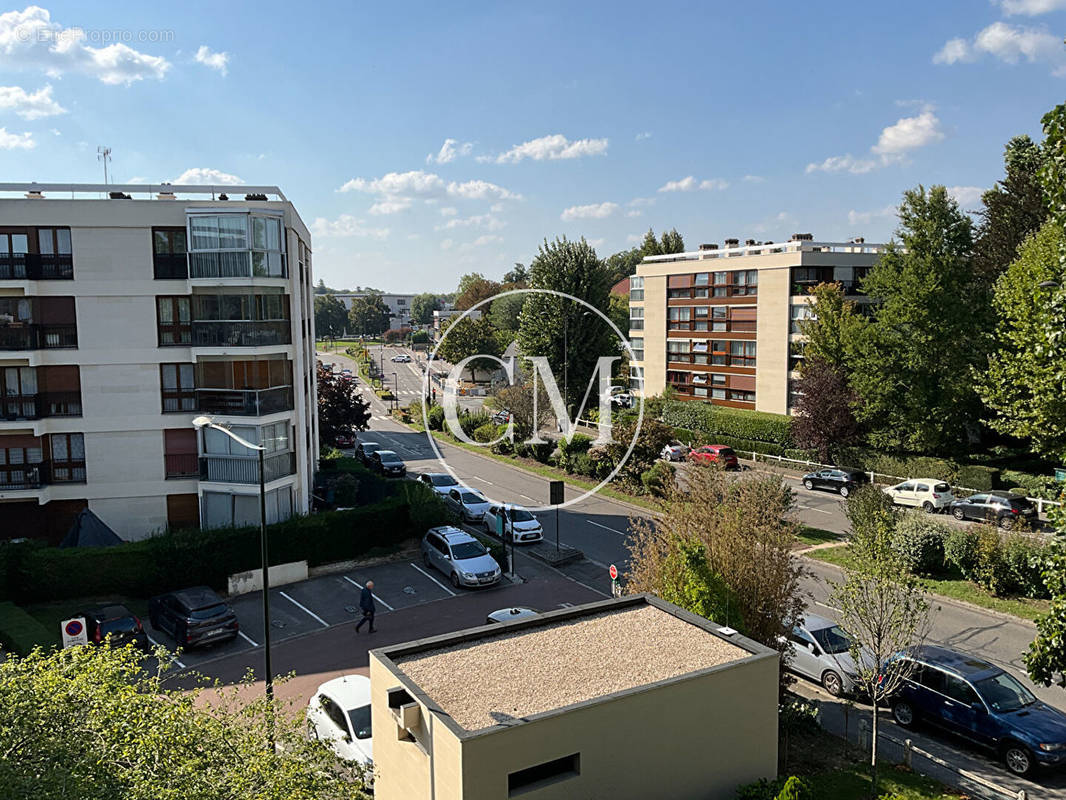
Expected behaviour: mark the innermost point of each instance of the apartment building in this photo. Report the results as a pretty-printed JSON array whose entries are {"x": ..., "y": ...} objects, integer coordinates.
[
  {"x": 722, "y": 325},
  {"x": 127, "y": 311},
  {"x": 399, "y": 306},
  {"x": 624, "y": 698}
]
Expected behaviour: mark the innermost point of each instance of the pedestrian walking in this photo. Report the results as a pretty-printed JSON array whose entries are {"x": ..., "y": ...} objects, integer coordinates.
[{"x": 366, "y": 603}]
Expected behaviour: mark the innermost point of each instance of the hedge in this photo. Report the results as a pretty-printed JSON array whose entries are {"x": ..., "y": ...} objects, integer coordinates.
[
  {"x": 974, "y": 476},
  {"x": 19, "y": 632},
  {"x": 719, "y": 421}
]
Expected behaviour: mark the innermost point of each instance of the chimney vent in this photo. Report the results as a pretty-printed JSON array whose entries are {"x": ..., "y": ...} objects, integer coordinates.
[
  {"x": 732, "y": 242},
  {"x": 711, "y": 246},
  {"x": 255, "y": 196},
  {"x": 119, "y": 196},
  {"x": 803, "y": 237},
  {"x": 858, "y": 240},
  {"x": 750, "y": 242}
]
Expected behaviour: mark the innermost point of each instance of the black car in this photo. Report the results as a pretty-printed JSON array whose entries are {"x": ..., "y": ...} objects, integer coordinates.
[
  {"x": 193, "y": 617},
  {"x": 1002, "y": 508},
  {"x": 116, "y": 625},
  {"x": 841, "y": 481},
  {"x": 388, "y": 463},
  {"x": 364, "y": 450}
]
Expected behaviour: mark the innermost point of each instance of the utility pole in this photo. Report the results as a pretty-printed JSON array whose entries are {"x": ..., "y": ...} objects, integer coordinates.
[{"x": 104, "y": 154}]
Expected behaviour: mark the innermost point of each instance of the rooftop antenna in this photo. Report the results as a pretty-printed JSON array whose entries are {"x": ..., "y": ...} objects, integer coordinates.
[{"x": 104, "y": 154}]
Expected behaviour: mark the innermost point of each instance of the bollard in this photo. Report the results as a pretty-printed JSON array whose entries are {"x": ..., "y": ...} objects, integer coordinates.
[
  {"x": 907, "y": 745},
  {"x": 1022, "y": 795}
]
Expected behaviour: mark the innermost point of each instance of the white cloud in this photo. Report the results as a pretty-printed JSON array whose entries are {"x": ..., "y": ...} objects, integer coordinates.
[
  {"x": 391, "y": 205},
  {"x": 216, "y": 61},
  {"x": 779, "y": 220},
  {"x": 643, "y": 136},
  {"x": 596, "y": 242},
  {"x": 634, "y": 212},
  {"x": 55, "y": 131},
  {"x": 895, "y": 141},
  {"x": 449, "y": 211},
  {"x": 29, "y": 105},
  {"x": 397, "y": 191},
  {"x": 415, "y": 182},
  {"x": 1010, "y": 44},
  {"x": 480, "y": 190},
  {"x": 486, "y": 221},
  {"x": 712, "y": 184},
  {"x": 593, "y": 211},
  {"x": 206, "y": 175},
  {"x": 30, "y": 39},
  {"x": 633, "y": 238},
  {"x": 552, "y": 148},
  {"x": 966, "y": 196},
  {"x": 16, "y": 141},
  {"x": 1031, "y": 8},
  {"x": 754, "y": 179},
  {"x": 856, "y": 166},
  {"x": 641, "y": 202},
  {"x": 449, "y": 151},
  {"x": 866, "y": 217},
  {"x": 690, "y": 184},
  {"x": 346, "y": 226},
  {"x": 488, "y": 238}
]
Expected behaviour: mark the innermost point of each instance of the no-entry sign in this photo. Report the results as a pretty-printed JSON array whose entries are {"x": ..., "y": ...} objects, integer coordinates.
[
  {"x": 613, "y": 571},
  {"x": 73, "y": 631}
]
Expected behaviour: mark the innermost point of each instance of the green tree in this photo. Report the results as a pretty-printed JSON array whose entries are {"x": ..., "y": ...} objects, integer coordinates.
[
  {"x": 561, "y": 330},
  {"x": 1046, "y": 658},
  {"x": 623, "y": 264},
  {"x": 650, "y": 245},
  {"x": 341, "y": 407},
  {"x": 671, "y": 242},
  {"x": 473, "y": 289},
  {"x": 912, "y": 365},
  {"x": 99, "y": 723},
  {"x": 831, "y": 334},
  {"x": 518, "y": 276},
  {"x": 469, "y": 337},
  {"x": 330, "y": 316},
  {"x": 423, "y": 306},
  {"x": 368, "y": 316},
  {"x": 505, "y": 312}
]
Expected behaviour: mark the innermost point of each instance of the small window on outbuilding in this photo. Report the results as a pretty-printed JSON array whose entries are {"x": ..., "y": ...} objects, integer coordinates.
[{"x": 531, "y": 778}]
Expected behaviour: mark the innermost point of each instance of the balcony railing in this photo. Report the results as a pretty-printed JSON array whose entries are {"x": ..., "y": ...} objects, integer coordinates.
[
  {"x": 245, "y": 403},
  {"x": 182, "y": 465},
  {"x": 237, "y": 264},
  {"x": 37, "y": 337},
  {"x": 36, "y": 267},
  {"x": 245, "y": 469},
  {"x": 800, "y": 288},
  {"x": 240, "y": 333},
  {"x": 36, "y": 406},
  {"x": 170, "y": 266},
  {"x": 24, "y": 476}
]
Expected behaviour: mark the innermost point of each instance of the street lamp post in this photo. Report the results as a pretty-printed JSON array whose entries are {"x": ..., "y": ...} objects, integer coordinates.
[
  {"x": 395, "y": 392},
  {"x": 206, "y": 422}
]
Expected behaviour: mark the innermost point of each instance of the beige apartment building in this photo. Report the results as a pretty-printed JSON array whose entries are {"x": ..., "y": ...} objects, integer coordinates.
[
  {"x": 125, "y": 312},
  {"x": 722, "y": 324},
  {"x": 630, "y": 698}
]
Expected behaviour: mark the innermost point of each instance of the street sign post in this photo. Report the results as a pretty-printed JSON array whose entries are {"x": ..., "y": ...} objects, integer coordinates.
[
  {"x": 615, "y": 589},
  {"x": 555, "y": 498},
  {"x": 73, "y": 631}
]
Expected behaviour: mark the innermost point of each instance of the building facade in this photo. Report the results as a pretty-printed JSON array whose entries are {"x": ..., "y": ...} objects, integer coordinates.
[
  {"x": 121, "y": 320},
  {"x": 723, "y": 325},
  {"x": 627, "y": 698},
  {"x": 399, "y": 306}
]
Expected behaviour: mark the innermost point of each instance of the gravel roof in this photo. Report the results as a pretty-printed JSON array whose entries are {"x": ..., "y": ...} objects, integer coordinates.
[{"x": 502, "y": 678}]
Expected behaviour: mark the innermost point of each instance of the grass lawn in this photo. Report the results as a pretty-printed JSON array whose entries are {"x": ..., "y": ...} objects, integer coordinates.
[
  {"x": 853, "y": 782},
  {"x": 52, "y": 613},
  {"x": 953, "y": 587},
  {"x": 340, "y": 344},
  {"x": 813, "y": 536}
]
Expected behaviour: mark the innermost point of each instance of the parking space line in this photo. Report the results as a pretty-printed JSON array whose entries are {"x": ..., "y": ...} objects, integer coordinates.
[
  {"x": 247, "y": 638},
  {"x": 812, "y": 508},
  {"x": 305, "y": 608},
  {"x": 441, "y": 585},
  {"x": 530, "y": 499},
  {"x": 176, "y": 660},
  {"x": 598, "y": 525},
  {"x": 831, "y": 608},
  {"x": 360, "y": 587},
  {"x": 490, "y": 483}
]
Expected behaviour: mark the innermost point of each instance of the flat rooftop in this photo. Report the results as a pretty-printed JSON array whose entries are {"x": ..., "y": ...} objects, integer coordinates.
[{"x": 540, "y": 665}]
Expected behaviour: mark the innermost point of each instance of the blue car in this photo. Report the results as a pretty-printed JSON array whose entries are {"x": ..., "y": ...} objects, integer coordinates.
[{"x": 980, "y": 702}]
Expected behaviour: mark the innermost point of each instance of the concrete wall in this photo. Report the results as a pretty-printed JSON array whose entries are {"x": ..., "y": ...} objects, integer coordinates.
[
  {"x": 654, "y": 335},
  {"x": 771, "y": 341}
]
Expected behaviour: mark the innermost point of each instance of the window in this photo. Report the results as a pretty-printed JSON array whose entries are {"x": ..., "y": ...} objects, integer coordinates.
[
  {"x": 719, "y": 315},
  {"x": 718, "y": 353},
  {"x": 637, "y": 343},
  {"x": 721, "y": 284},
  {"x": 178, "y": 387},
  {"x": 53, "y": 241},
  {"x": 174, "y": 321},
  {"x": 702, "y": 278},
  {"x": 740, "y": 396},
  {"x": 218, "y": 443},
  {"x": 221, "y": 509},
  {"x": 68, "y": 457},
  {"x": 717, "y": 379},
  {"x": 636, "y": 288},
  {"x": 275, "y": 438},
  {"x": 168, "y": 253},
  {"x": 636, "y": 318},
  {"x": 679, "y": 317},
  {"x": 745, "y": 282},
  {"x": 742, "y": 354},
  {"x": 799, "y": 313},
  {"x": 179, "y": 453},
  {"x": 531, "y": 778},
  {"x": 267, "y": 247},
  {"x": 236, "y": 245}
]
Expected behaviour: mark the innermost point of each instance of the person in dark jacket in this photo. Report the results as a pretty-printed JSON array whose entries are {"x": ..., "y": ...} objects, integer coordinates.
[{"x": 366, "y": 603}]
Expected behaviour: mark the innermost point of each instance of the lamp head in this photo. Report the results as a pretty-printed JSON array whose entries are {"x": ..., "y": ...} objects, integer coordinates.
[{"x": 200, "y": 422}]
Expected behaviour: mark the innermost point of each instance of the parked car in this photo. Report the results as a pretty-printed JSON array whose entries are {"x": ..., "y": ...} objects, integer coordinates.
[
  {"x": 821, "y": 652},
  {"x": 982, "y": 703},
  {"x": 460, "y": 556},
  {"x": 675, "y": 451},
  {"x": 388, "y": 463},
  {"x": 511, "y": 614},
  {"x": 193, "y": 617},
  {"x": 344, "y": 440},
  {"x": 620, "y": 398},
  {"x": 116, "y": 625},
  {"x": 339, "y": 716},
  {"x": 468, "y": 504},
  {"x": 501, "y": 417},
  {"x": 440, "y": 482},
  {"x": 715, "y": 454},
  {"x": 1002, "y": 508},
  {"x": 403, "y": 358},
  {"x": 518, "y": 524},
  {"x": 364, "y": 450},
  {"x": 924, "y": 493},
  {"x": 841, "y": 481}
]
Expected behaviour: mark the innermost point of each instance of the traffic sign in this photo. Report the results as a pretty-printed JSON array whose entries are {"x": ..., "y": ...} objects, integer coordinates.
[
  {"x": 73, "y": 631},
  {"x": 555, "y": 493},
  {"x": 614, "y": 572}
]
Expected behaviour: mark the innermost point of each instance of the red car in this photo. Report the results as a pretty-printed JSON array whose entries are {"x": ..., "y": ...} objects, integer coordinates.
[
  {"x": 344, "y": 440},
  {"x": 714, "y": 454}
]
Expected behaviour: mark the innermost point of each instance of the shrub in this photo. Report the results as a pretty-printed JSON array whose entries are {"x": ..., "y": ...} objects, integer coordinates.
[
  {"x": 717, "y": 421},
  {"x": 420, "y": 337},
  {"x": 990, "y": 570},
  {"x": 436, "y": 418},
  {"x": 20, "y": 633},
  {"x": 568, "y": 451},
  {"x": 975, "y": 476},
  {"x": 1034, "y": 485},
  {"x": 911, "y": 467},
  {"x": 346, "y": 490},
  {"x": 471, "y": 421},
  {"x": 795, "y": 788},
  {"x": 762, "y": 789},
  {"x": 960, "y": 551},
  {"x": 485, "y": 433},
  {"x": 584, "y": 465},
  {"x": 657, "y": 479},
  {"x": 1023, "y": 563},
  {"x": 540, "y": 451},
  {"x": 919, "y": 541}
]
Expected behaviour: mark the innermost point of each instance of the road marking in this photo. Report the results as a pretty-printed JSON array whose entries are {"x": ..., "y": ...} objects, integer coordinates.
[
  {"x": 812, "y": 508},
  {"x": 831, "y": 608},
  {"x": 353, "y": 583},
  {"x": 566, "y": 605},
  {"x": 598, "y": 525},
  {"x": 247, "y": 638},
  {"x": 174, "y": 658},
  {"x": 441, "y": 585},
  {"x": 305, "y": 608},
  {"x": 490, "y": 483},
  {"x": 530, "y": 499}
]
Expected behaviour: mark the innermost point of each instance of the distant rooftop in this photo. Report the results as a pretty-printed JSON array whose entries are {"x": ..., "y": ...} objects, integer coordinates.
[
  {"x": 573, "y": 656},
  {"x": 138, "y": 191},
  {"x": 798, "y": 243}
]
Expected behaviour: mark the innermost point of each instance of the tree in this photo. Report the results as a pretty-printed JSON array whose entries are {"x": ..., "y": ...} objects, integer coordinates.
[
  {"x": 1046, "y": 657},
  {"x": 561, "y": 330},
  {"x": 671, "y": 242},
  {"x": 505, "y": 313},
  {"x": 423, "y": 306},
  {"x": 369, "y": 315},
  {"x": 469, "y": 337},
  {"x": 882, "y": 608},
  {"x": 623, "y": 264},
  {"x": 473, "y": 291},
  {"x": 330, "y": 316},
  {"x": 832, "y": 333},
  {"x": 912, "y": 364},
  {"x": 341, "y": 407},
  {"x": 518, "y": 399},
  {"x": 99, "y": 723},
  {"x": 650, "y": 246},
  {"x": 518, "y": 276},
  {"x": 824, "y": 420}
]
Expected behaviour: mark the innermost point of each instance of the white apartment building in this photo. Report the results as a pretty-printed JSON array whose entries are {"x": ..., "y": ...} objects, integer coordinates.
[
  {"x": 399, "y": 306},
  {"x": 127, "y": 311}
]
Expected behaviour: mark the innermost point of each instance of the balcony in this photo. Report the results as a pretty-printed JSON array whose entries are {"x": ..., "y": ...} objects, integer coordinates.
[
  {"x": 237, "y": 264},
  {"x": 245, "y": 469},
  {"x": 38, "y": 337},
  {"x": 25, "y": 476},
  {"x": 181, "y": 465},
  {"x": 245, "y": 403},
  {"x": 37, "y": 406},
  {"x": 241, "y": 333},
  {"x": 170, "y": 266},
  {"x": 36, "y": 267}
]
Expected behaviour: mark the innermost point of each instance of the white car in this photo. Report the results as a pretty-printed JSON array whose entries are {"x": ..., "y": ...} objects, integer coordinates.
[
  {"x": 468, "y": 504},
  {"x": 511, "y": 614},
  {"x": 339, "y": 716},
  {"x": 440, "y": 482},
  {"x": 675, "y": 451},
  {"x": 926, "y": 493},
  {"x": 518, "y": 524},
  {"x": 403, "y": 358}
]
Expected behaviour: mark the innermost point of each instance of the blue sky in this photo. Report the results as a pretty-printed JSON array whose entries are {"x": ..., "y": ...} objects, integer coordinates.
[{"x": 420, "y": 141}]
